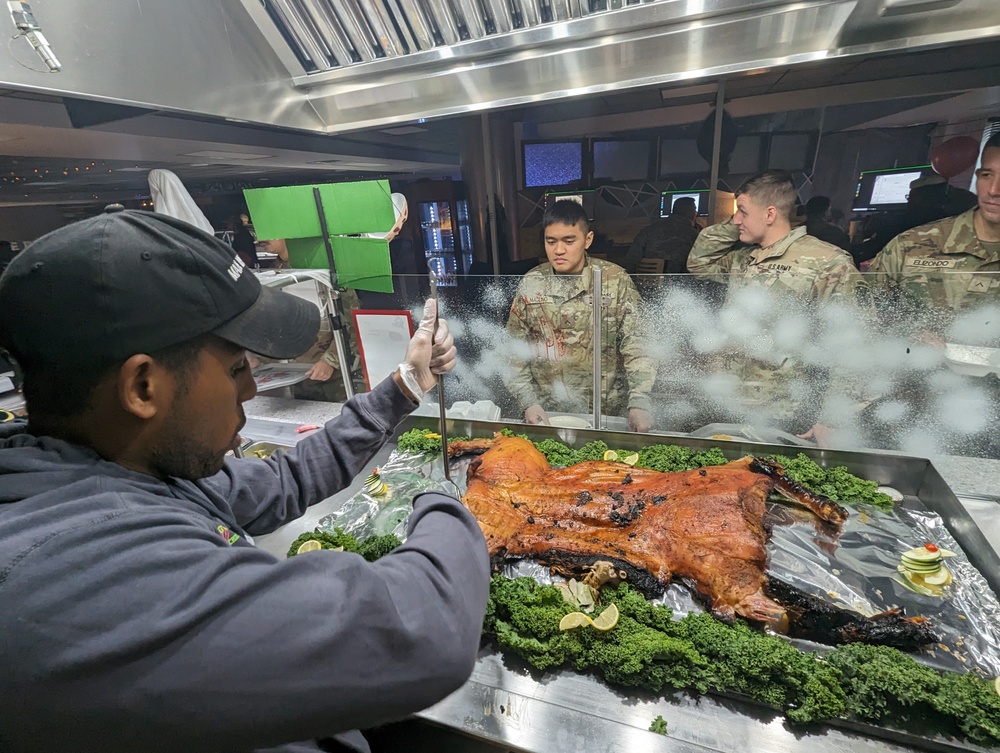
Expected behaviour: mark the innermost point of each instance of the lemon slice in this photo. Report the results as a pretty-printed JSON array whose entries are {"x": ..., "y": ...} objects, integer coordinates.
[
  {"x": 610, "y": 455},
  {"x": 606, "y": 619},
  {"x": 309, "y": 546},
  {"x": 574, "y": 620},
  {"x": 631, "y": 459}
]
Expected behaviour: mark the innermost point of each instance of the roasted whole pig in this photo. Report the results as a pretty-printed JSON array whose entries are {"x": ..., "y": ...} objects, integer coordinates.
[{"x": 703, "y": 526}]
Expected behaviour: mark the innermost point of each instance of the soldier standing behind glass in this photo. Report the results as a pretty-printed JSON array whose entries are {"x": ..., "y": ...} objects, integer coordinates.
[
  {"x": 930, "y": 271},
  {"x": 758, "y": 248},
  {"x": 553, "y": 314}
]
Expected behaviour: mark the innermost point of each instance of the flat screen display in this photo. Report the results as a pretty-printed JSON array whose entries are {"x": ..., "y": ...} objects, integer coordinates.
[
  {"x": 667, "y": 199},
  {"x": 789, "y": 151},
  {"x": 552, "y": 163},
  {"x": 880, "y": 190},
  {"x": 680, "y": 157},
  {"x": 583, "y": 198},
  {"x": 621, "y": 160}
]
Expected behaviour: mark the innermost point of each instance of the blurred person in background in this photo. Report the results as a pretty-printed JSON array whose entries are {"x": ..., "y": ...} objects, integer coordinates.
[
  {"x": 669, "y": 238},
  {"x": 553, "y": 315},
  {"x": 818, "y": 223},
  {"x": 930, "y": 198},
  {"x": 171, "y": 198},
  {"x": 319, "y": 383},
  {"x": 244, "y": 242}
]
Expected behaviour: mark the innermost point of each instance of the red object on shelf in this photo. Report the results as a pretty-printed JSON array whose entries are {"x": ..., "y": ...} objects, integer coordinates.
[{"x": 954, "y": 156}]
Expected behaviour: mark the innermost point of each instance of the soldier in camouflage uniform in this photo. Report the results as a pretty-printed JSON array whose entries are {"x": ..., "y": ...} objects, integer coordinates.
[
  {"x": 924, "y": 278},
  {"x": 757, "y": 248},
  {"x": 553, "y": 314},
  {"x": 932, "y": 271}
]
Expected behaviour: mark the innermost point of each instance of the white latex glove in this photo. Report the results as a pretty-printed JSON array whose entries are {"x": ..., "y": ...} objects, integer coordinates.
[
  {"x": 536, "y": 414},
  {"x": 425, "y": 360}
]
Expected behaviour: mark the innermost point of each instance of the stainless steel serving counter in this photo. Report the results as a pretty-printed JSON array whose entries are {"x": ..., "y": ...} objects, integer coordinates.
[{"x": 507, "y": 706}]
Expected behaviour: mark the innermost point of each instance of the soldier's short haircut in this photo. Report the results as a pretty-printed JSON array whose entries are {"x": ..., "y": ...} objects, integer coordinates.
[
  {"x": 566, "y": 212},
  {"x": 772, "y": 188},
  {"x": 993, "y": 142}
]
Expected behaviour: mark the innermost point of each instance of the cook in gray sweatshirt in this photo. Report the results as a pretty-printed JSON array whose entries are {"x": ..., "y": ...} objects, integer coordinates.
[{"x": 135, "y": 613}]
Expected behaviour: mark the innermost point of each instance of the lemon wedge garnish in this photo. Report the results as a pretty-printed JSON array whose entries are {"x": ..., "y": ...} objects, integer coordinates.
[
  {"x": 631, "y": 459},
  {"x": 611, "y": 455},
  {"x": 309, "y": 546},
  {"x": 606, "y": 619},
  {"x": 574, "y": 620}
]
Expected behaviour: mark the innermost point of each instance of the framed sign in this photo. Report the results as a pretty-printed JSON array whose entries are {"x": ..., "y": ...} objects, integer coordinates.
[{"x": 382, "y": 340}]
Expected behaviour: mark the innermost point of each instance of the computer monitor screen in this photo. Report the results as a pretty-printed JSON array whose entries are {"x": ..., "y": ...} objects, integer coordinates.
[
  {"x": 621, "y": 160},
  {"x": 790, "y": 151},
  {"x": 667, "y": 199},
  {"x": 879, "y": 190},
  {"x": 680, "y": 157},
  {"x": 583, "y": 198},
  {"x": 552, "y": 163}
]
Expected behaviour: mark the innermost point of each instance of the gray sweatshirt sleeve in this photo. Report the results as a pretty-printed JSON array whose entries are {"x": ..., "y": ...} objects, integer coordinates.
[
  {"x": 265, "y": 494},
  {"x": 143, "y": 632}
]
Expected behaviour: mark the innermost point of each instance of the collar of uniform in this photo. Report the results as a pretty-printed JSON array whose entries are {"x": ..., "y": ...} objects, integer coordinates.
[
  {"x": 965, "y": 223},
  {"x": 778, "y": 248},
  {"x": 571, "y": 285}
]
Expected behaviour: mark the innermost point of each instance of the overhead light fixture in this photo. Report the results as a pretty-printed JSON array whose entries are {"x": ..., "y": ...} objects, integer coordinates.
[
  {"x": 404, "y": 130},
  {"x": 24, "y": 21},
  {"x": 237, "y": 156},
  {"x": 689, "y": 91}
]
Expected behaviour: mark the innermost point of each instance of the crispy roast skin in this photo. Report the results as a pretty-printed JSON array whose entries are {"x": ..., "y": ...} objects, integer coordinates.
[{"x": 704, "y": 526}]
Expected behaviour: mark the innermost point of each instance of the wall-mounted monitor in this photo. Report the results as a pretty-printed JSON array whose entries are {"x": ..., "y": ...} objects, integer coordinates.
[
  {"x": 586, "y": 199},
  {"x": 548, "y": 164},
  {"x": 790, "y": 151},
  {"x": 680, "y": 157},
  {"x": 622, "y": 159},
  {"x": 879, "y": 190},
  {"x": 667, "y": 199},
  {"x": 745, "y": 159}
]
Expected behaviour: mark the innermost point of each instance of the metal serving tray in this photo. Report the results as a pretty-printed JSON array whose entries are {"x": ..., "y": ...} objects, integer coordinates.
[{"x": 513, "y": 706}]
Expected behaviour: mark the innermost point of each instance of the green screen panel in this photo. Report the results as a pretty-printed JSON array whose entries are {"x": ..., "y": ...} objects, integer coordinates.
[{"x": 290, "y": 211}]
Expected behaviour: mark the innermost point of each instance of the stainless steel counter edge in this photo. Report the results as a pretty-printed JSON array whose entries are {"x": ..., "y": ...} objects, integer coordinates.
[{"x": 965, "y": 476}]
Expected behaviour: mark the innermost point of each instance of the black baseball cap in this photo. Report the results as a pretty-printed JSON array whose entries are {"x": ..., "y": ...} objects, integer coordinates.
[{"x": 133, "y": 282}]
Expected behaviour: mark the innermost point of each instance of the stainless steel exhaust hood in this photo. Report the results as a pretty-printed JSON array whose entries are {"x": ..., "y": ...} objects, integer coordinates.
[{"x": 365, "y": 63}]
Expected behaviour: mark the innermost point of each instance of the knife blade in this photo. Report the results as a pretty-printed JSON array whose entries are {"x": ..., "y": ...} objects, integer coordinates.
[{"x": 442, "y": 417}]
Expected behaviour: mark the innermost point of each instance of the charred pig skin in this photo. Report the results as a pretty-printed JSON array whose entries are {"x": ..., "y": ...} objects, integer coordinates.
[{"x": 704, "y": 527}]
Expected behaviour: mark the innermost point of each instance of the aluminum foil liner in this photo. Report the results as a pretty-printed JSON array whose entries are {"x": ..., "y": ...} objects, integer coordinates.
[{"x": 854, "y": 567}]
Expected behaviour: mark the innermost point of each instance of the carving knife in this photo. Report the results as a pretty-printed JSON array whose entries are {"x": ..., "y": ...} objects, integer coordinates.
[{"x": 442, "y": 417}]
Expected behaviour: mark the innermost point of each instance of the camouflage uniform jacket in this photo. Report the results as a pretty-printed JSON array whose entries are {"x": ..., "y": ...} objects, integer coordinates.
[
  {"x": 810, "y": 271},
  {"x": 553, "y": 314},
  {"x": 798, "y": 263},
  {"x": 934, "y": 268}
]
